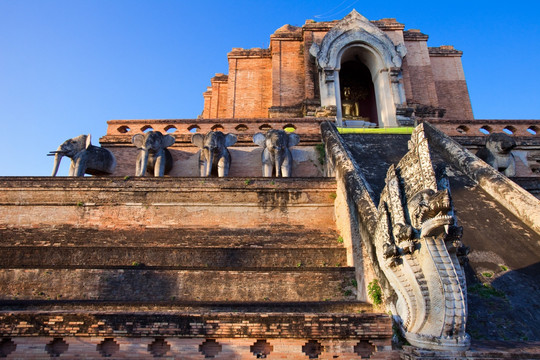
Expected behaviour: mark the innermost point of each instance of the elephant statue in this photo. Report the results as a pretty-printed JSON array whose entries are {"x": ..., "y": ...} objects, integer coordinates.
[
  {"x": 214, "y": 153},
  {"x": 85, "y": 157},
  {"x": 153, "y": 154},
  {"x": 276, "y": 154},
  {"x": 497, "y": 153}
]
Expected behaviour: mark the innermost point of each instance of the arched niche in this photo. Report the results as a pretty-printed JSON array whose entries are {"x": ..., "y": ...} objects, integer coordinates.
[{"x": 355, "y": 37}]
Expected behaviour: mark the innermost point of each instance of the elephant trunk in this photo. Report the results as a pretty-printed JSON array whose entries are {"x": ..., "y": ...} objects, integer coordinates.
[
  {"x": 57, "y": 159},
  {"x": 278, "y": 162},
  {"x": 209, "y": 162},
  {"x": 143, "y": 164}
]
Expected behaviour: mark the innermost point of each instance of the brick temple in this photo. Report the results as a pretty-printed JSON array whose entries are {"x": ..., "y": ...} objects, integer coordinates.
[
  {"x": 390, "y": 240},
  {"x": 285, "y": 80}
]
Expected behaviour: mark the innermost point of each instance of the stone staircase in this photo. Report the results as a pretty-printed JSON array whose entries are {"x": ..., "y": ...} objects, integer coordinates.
[{"x": 195, "y": 268}]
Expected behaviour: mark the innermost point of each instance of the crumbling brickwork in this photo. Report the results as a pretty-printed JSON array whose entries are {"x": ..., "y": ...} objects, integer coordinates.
[
  {"x": 250, "y": 83},
  {"x": 283, "y": 80}
]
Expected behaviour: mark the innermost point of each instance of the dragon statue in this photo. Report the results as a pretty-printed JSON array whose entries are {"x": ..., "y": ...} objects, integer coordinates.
[{"x": 419, "y": 249}]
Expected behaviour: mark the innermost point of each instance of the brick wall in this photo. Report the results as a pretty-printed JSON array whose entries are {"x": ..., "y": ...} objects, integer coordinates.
[
  {"x": 207, "y": 103},
  {"x": 150, "y": 347},
  {"x": 419, "y": 85},
  {"x": 287, "y": 66},
  {"x": 275, "y": 82},
  {"x": 249, "y": 89},
  {"x": 218, "y": 105},
  {"x": 450, "y": 83},
  {"x": 313, "y": 33},
  {"x": 170, "y": 202}
]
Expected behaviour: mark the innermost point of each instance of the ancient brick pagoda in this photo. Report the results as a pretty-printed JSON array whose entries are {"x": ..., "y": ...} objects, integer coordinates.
[
  {"x": 300, "y": 267},
  {"x": 390, "y": 74}
]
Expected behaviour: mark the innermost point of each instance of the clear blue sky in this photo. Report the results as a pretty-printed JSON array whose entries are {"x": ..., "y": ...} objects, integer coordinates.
[{"x": 66, "y": 67}]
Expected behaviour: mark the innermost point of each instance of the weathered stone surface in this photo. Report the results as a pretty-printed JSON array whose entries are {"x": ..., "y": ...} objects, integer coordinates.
[
  {"x": 418, "y": 246},
  {"x": 502, "y": 313},
  {"x": 166, "y": 203},
  {"x": 507, "y": 193},
  {"x": 141, "y": 284}
]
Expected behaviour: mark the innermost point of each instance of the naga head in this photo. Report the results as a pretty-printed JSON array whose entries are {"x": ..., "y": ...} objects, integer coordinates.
[{"x": 430, "y": 212}]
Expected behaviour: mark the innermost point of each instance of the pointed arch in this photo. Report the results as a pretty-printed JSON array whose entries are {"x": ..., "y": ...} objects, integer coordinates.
[{"x": 356, "y": 34}]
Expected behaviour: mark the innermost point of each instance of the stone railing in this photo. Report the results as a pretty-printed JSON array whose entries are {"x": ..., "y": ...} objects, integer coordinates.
[
  {"x": 479, "y": 127},
  {"x": 120, "y": 131}
]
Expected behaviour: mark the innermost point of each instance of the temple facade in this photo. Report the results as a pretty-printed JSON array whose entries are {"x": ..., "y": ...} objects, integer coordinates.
[
  {"x": 409, "y": 243},
  {"x": 355, "y": 69}
]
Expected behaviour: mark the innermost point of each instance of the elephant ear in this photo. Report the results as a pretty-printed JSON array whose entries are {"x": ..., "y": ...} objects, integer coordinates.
[
  {"x": 88, "y": 141},
  {"x": 259, "y": 139},
  {"x": 168, "y": 140},
  {"x": 138, "y": 140},
  {"x": 294, "y": 139},
  {"x": 230, "y": 140},
  {"x": 198, "y": 140}
]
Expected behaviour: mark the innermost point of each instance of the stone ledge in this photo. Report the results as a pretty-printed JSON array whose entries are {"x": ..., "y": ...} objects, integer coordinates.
[
  {"x": 193, "y": 307},
  {"x": 514, "y": 198},
  {"x": 140, "y": 284},
  {"x": 218, "y": 325},
  {"x": 170, "y": 257}
]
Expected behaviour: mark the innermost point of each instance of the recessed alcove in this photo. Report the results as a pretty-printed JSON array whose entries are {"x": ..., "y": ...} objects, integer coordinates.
[
  {"x": 194, "y": 129},
  {"x": 123, "y": 129},
  {"x": 56, "y": 347},
  {"x": 486, "y": 130},
  {"x": 210, "y": 348},
  {"x": 170, "y": 129},
  {"x": 313, "y": 349},
  {"x": 462, "y": 129}
]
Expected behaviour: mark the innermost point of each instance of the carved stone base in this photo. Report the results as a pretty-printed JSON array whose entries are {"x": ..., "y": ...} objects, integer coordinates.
[
  {"x": 488, "y": 350},
  {"x": 446, "y": 345}
]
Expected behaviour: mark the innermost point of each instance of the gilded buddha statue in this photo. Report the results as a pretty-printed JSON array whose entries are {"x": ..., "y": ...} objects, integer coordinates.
[{"x": 349, "y": 107}]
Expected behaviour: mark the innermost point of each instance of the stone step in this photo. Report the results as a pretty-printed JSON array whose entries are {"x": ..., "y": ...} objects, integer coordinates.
[
  {"x": 199, "y": 307},
  {"x": 189, "y": 237},
  {"x": 163, "y": 284},
  {"x": 91, "y": 257},
  {"x": 118, "y": 203}
]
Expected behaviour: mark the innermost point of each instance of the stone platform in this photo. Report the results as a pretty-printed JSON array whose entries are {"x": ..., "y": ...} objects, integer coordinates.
[{"x": 185, "y": 268}]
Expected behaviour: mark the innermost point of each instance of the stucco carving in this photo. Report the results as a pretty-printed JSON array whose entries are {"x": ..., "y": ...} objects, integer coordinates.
[
  {"x": 418, "y": 246},
  {"x": 355, "y": 28},
  {"x": 376, "y": 50}
]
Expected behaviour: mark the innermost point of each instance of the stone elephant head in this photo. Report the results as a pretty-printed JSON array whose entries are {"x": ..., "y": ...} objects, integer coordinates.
[
  {"x": 497, "y": 153},
  {"x": 214, "y": 153},
  {"x": 276, "y": 154},
  {"x": 153, "y": 154},
  {"x": 85, "y": 157}
]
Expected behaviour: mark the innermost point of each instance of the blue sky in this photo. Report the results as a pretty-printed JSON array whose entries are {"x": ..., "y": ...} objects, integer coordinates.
[{"x": 66, "y": 67}]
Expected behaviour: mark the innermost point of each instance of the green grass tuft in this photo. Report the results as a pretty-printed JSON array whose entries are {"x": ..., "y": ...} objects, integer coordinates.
[
  {"x": 375, "y": 292},
  {"x": 485, "y": 290},
  {"x": 321, "y": 152}
]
